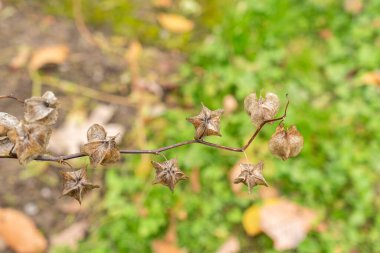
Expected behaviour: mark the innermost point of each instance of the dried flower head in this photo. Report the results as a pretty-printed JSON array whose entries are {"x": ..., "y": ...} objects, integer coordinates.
[
  {"x": 286, "y": 143},
  {"x": 263, "y": 108},
  {"x": 75, "y": 184},
  {"x": 41, "y": 109},
  {"x": 168, "y": 173},
  {"x": 100, "y": 148},
  {"x": 7, "y": 122},
  {"x": 206, "y": 122},
  {"x": 30, "y": 140},
  {"x": 251, "y": 175}
]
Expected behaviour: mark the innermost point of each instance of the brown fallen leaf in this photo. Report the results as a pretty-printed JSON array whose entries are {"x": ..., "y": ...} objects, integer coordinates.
[
  {"x": 70, "y": 236},
  {"x": 21, "y": 58},
  {"x": 55, "y": 54},
  {"x": 232, "y": 245},
  {"x": 286, "y": 223},
  {"x": 353, "y": 6},
  {"x": 371, "y": 78},
  {"x": 19, "y": 232},
  {"x": 175, "y": 23}
]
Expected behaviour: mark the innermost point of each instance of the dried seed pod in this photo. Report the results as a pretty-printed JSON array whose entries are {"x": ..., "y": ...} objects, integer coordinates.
[
  {"x": 41, "y": 110},
  {"x": 100, "y": 148},
  {"x": 168, "y": 173},
  {"x": 286, "y": 143},
  {"x": 251, "y": 175},
  {"x": 261, "y": 109},
  {"x": 206, "y": 122},
  {"x": 75, "y": 184},
  {"x": 31, "y": 140},
  {"x": 7, "y": 122}
]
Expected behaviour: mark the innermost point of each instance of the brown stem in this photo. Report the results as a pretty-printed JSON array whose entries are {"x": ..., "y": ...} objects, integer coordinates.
[
  {"x": 162, "y": 149},
  {"x": 12, "y": 97}
]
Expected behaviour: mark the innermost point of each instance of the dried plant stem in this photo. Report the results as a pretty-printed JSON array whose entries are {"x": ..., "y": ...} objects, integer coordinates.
[
  {"x": 12, "y": 97},
  {"x": 162, "y": 149}
]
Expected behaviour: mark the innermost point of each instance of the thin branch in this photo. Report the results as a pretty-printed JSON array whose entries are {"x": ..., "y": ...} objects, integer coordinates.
[
  {"x": 162, "y": 149},
  {"x": 12, "y": 97}
]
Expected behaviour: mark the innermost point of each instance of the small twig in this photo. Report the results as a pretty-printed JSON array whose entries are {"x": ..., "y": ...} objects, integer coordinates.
[
  {"x": 162, "y": 149},
  {"x": 12, "y": 97}
]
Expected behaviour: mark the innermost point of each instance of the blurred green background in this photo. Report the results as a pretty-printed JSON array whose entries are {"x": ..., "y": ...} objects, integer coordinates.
[{"x": 317, "y": 51}]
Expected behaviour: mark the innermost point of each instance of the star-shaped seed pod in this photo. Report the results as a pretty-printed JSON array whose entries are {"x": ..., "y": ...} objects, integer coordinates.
[
  {"x": 168, "y": 173},
  {"x": 41, "y": 110},
  {"x": 7, "y": 122},
  {"x": 75, "y": 184},
  {"x": 30, "y": 140},
  {"x": 286, "y": 143},
  {"x": 100, "y": 148},
  {"x": 251, "y": 175},
  {"x": 263, "y": 108},
  {"x": 206, "y": 122}
]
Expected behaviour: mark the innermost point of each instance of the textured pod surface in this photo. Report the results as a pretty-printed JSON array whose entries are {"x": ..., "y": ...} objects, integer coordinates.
[
  {"x": 75, "y": 184},
  {"x": 100, "y": 148},
  {"x": 206, "y": 123},
  {"x": 30, "y": 140},
  {"x": 286, "y": 143},
  {"x": 251, "y": 175},
  {"x": 7, "y": 122},
  {"x": 42, "y": 109},
  {"x": 168, "y": 173},
  {"x": 261, "y": 109}
]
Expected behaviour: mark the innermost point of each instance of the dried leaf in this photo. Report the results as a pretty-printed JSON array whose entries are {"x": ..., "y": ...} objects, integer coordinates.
[
  {"x": 70, "y": 236},
  {"x": 251, "y": 175},
  {"x": 286, "y": 223},
  {"x": 286, "y": 143},
  {"x": 175, "y": 23},
  {"x": 31, "y": 140},
  {"x": 100, "y": 148},
  {"x": 261, "y": 109},
  {"x": 168, "y": 173},
  {"x": 206, "y": 123},
  {"x": 19, "y": 232},
  {"x": 42, "y": 110},
  {"x": 75, "y": 184},
  {"x": 56, "y": 54},
  {"x": 232, "y": 245},
  {"x": 21, "y": 58}
]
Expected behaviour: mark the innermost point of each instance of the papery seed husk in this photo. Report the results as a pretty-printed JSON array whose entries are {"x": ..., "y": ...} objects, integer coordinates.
[
  {"x": 41, "y": 109},
  {"x": 7, "y": 122}
]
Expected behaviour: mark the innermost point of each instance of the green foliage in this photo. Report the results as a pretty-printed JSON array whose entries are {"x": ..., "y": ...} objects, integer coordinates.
[{"x": 267, "y": 46}]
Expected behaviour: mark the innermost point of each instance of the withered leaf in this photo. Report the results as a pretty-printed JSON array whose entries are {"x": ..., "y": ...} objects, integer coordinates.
[
  {"x": 75, "y": 184},
  {"x": 168, "y": 173},
  {"x": 251, "y": 175},
  {"x": 286, "y": 143},
  {"x": 31, "y": 140},
  {"x": 42, "y": 109},
  {"x": 263, "y": 108},
  {"x": 54, "y": 54},
  {"x": 7, "y": 122},
  {"x": 175, "y": 23},
  {"x": 206, "y": 122},
  {"x": 100, "y": 148}
]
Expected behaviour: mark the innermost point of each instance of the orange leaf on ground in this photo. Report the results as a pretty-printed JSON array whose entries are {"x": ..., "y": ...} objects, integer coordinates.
[
  {"x": 19, "y": 232},
  {"x": 21, "y": 58},
  {"x": 56, "y": 54},
  {"x": 371, "y": 78},
  {"x": 175, "y": 23},
  {"x": 286, "y": 223}
]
